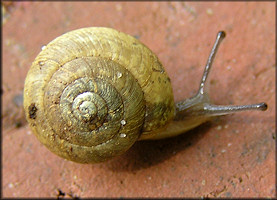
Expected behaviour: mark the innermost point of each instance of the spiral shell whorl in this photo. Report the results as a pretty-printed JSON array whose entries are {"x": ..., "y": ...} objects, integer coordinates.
[{"x": 90, "y": 107}]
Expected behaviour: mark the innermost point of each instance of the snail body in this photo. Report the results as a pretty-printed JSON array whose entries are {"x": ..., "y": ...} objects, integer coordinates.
[{"x": 92, "y": 93}]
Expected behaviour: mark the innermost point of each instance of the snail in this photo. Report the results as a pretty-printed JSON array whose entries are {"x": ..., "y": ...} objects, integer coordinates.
[{"x": 91, "y": 93}]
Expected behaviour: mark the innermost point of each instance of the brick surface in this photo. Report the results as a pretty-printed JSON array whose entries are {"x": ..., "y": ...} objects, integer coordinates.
[{"x": 232, "y": 156}]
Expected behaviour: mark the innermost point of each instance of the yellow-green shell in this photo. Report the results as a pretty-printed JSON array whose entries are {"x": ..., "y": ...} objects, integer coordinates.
[{"x": 89, "y": 70}]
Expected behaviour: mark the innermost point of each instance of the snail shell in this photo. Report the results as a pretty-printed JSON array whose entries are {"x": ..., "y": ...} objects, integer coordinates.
[{"x": 91, "y": 93}]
